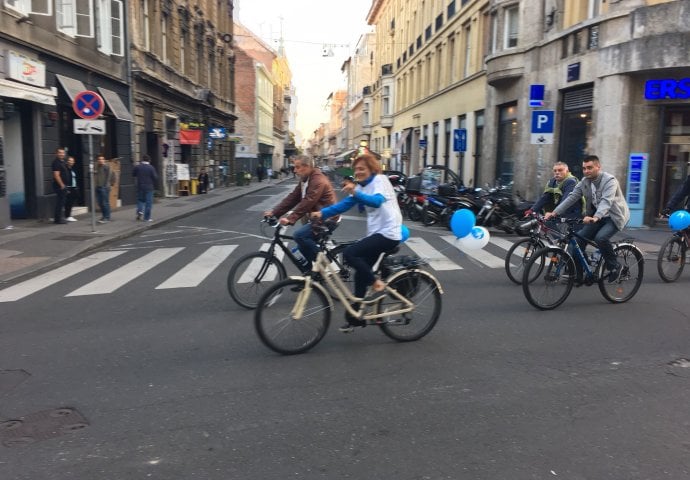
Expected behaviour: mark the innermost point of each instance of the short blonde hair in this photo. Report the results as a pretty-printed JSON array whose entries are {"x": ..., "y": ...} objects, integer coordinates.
[{"x": 370, "y": 161}]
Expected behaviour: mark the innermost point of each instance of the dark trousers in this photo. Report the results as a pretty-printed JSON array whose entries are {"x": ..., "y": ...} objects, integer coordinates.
[
  {"x": 601, "y": 232},
  {"x": 60, "y": 196},
  {"x": 362, "y": 255},
  {"x": 70, "y": 200}
]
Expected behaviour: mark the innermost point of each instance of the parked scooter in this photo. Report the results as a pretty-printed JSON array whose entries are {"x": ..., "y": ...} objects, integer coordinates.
[
  {"x": 439, "y": 208},
  {"x": 502, "y": 209}
]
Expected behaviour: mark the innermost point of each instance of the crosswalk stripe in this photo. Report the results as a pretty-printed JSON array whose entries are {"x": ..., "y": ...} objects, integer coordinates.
[
  {"x": 250, "y": 273},
  {"x": 502, "y": 242},
  {"x": 112, "y": 281},
  {"x": 436, "y": 259},
  {"x": 24, "y": 289},
  {"x": 482, "y": 256},
  {"x": 194, "y": 273}
]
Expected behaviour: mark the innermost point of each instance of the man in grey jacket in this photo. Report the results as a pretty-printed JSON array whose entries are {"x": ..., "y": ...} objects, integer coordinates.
[{"x": 606, "y": 211}]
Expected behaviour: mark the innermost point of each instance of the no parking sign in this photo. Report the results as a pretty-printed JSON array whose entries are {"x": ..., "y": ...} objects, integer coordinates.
[{"x": 88, "y": 105}]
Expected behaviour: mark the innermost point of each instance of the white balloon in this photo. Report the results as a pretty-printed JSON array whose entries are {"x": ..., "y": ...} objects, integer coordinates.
[{"x": 477, "y": 239}]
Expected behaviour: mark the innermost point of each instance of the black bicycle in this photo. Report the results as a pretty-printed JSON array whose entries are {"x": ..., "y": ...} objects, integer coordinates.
[
  {"x": 550, "y": 273},
  {"x": 672, "y": 256},
  {"x": 253, "y": 273},
  {"x": 540, "y": 235}
]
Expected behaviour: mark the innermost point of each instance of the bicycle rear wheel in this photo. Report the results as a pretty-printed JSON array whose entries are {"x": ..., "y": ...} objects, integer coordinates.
[
  {"x": 275, "y": 321},
  {"x": 517, "y": 257},
  {"x": 630, "y": 279},
  {"x": 548, "y": 288},
  {"x": 671, "y": 259},
  {"x": 420, "y": 288},
  {"x": 251, "y": 274}
]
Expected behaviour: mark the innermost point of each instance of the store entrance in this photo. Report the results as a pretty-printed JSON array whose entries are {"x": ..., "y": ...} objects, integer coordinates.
[{"x": 675, "y": 169}]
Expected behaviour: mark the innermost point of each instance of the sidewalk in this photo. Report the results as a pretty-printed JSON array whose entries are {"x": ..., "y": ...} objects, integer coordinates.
[{"x": 31, "y": 245}]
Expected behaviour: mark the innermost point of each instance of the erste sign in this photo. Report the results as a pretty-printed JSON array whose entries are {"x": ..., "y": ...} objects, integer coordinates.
[{"x": 667, "y": 88}]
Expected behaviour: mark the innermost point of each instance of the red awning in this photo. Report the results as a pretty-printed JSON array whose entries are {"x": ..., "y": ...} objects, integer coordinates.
[{"x": 190, "y": 137}]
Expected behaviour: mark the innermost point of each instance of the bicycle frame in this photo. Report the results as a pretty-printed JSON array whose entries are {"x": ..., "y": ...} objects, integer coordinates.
[{"x": 335, "y": 285}]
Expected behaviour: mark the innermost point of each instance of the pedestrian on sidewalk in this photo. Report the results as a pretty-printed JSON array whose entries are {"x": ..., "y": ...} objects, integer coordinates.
[
  {"x": 680, "y": 196},
  {"x": 203, "y": 181},
  {"x": 72, "y": 194},
  {"x": 269, "y": 174},
  {"x": 146, "y": 178},
  {"x": 103, "y": 181},
  {"x": 61, "y": 178}
]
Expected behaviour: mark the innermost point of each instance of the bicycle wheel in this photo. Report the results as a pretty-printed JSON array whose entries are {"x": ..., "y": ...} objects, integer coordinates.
[
  {"x": 671, "y": 259},
  {"x": 554, "y": 281},
  {"x": 250, "y": 275},
  {"x": 276, "y": 324},
  {"x": 522, "y": 250},
  {"x": 420, "y": 288},
  {"x": 630, "y": 278}
]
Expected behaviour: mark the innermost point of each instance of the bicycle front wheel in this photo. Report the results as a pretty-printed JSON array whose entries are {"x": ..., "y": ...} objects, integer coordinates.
[
  {"x": 517, "y": 257},
  {"x": 630, "y": 279},
  {"x": 548, "y": 278},
  {"x": 671, "y": 259},
  {"x": 419, "y": 287},
  {"x": 251, "y": 275},
  {"x": 290, "y": 320}
]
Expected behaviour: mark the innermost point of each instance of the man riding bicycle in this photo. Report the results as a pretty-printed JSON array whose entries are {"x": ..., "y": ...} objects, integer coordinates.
[{"x": 313, "y": 192}]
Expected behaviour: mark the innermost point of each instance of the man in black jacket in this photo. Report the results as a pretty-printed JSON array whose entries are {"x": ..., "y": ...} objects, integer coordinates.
[
  {"x": 61, "y": 179},
  {"x": 146, "y": 177}
]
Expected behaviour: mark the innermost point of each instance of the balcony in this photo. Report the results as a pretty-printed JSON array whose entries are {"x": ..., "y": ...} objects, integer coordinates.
[{"x": 387, "y": 121}]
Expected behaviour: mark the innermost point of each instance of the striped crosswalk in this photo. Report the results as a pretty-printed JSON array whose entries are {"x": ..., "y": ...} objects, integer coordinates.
[{"x": 443, "y": 253}]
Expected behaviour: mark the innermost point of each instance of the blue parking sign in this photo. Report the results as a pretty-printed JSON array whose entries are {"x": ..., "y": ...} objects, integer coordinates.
[{"x": 542, "y": 127}]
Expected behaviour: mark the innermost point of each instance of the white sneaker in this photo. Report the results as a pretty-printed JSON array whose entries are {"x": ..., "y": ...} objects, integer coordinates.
[
  {"x": 150, "y": 220},
  {"x": 71, "y": 219}
]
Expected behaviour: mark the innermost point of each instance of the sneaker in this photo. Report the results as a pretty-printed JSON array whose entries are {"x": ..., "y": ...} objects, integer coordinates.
[
  {"x": 103, "y": 220},
  {"x": 150, "y": 220},
  {"x": 60, "y": 222},
  {"x": 139, "y": 215},
  {"x": 615, "y": 274},
  {"x": 71, "y": 219},
  {"x": 349, "y": 326}
]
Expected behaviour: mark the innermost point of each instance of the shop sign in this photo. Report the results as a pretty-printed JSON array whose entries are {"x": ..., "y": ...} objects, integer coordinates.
[
  {"x": 667, "y": 89},
  {"x": 25, "y": 69},
  {"x": 191, "y": 125}
]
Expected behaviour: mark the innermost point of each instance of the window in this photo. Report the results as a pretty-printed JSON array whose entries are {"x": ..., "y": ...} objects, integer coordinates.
[
  {"x": 183, "y": 46},
  {"x": 31, "y": 7},
  {"x": 74, "y": 17},
  {"x": 110, "y": 32},
  {"x": 451, "y": 59},
  {"x": 593, "y": 8},
  {"x": 451, "y": 9},
  {"x": 494, "y": 34},
  {"x": 468, "y": 52},
  {"x": 511, "y": 27},
  {"x": 144, "y": 29},
  {"x": 164, "y": 38}
]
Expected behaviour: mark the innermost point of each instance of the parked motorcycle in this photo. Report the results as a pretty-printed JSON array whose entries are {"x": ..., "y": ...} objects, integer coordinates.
[
  {"x": 502, "y": 209},
  {"x": 439, "y": 208}
]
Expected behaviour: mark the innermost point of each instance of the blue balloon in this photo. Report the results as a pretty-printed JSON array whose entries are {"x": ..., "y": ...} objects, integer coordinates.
[
  {"x": 405, "y": 232},
  {"x": 679, "y": 220},
  {"x": 462, "y": 222}
]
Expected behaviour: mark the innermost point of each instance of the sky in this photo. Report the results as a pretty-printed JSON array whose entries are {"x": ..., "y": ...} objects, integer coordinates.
[{"x": 308, "y": 25}]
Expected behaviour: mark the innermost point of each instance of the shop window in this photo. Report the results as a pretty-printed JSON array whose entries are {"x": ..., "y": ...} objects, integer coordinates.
[
  {"x": 576, "y": 128},
  {"x": 507, "y": 141}
]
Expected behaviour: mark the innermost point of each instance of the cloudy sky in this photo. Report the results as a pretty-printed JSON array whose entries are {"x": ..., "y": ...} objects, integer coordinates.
[{"x": 308, "y": 25}]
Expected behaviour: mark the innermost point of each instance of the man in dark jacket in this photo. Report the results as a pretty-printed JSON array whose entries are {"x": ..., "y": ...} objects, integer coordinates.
[
  {"x": 682, "y": 195},
  {"x": 558, "y": 188},
  {"x": 312, "y": 193},
  {"x": 146, "y": 177},
  {"x": 61, "y": 180}
]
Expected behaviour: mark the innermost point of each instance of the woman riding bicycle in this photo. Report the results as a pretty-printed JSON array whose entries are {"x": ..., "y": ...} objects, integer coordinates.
[{"x": 371, "y": 192}]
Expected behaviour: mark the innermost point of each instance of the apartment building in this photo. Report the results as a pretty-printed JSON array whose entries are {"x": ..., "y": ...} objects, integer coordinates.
[
  {"x": 430, "y": 84},
  {"x": 49, "y": 53},
  {"x": 616, "y": 76},
  {"x": 182, "y": 66}
]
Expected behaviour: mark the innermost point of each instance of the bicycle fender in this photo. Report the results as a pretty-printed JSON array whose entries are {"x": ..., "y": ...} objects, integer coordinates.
[{"x": 419, "y": 271}]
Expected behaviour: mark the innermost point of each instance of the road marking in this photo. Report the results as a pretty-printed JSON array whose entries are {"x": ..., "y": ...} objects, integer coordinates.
[
  {"x": 481, "y": 255},
  {"x": 502, "y": 242},
  {"x": 254, "y": 266},
  {"x": 436, "y": 259},
  {"x": 192, "y": 274},
  {"x": 112, "y": 281},
  {"x": 28, "y": 287}
]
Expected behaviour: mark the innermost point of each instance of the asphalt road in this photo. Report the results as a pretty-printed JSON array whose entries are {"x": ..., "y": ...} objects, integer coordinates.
[{"x": 174, "y": 384}]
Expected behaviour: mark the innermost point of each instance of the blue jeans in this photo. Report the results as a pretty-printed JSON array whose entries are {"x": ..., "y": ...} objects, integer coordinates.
[
  {"x": 145, "y": 202},
  {"x": 362, "y": 255},
  {"x": 305, "y": 240},
  {"x": 103, "y": 199},
  {"x": 601, "y": 232}
]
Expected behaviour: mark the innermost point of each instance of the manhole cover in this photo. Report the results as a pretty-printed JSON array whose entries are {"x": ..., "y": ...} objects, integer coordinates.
[
  {"x": 10, "y": 379},
  {"x": 32, "y": 428},
  {"x": 76, "y": 238}
]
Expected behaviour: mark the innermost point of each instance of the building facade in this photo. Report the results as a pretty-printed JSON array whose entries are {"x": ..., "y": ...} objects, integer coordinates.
[
  {"x": 49, "y": 53},
  {"x": 616, "y": 76},
  {"x": 182, "y": 66}
]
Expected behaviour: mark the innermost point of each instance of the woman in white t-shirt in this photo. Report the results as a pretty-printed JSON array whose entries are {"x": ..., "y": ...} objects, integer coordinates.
[{"x": 371, "y": 192}]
